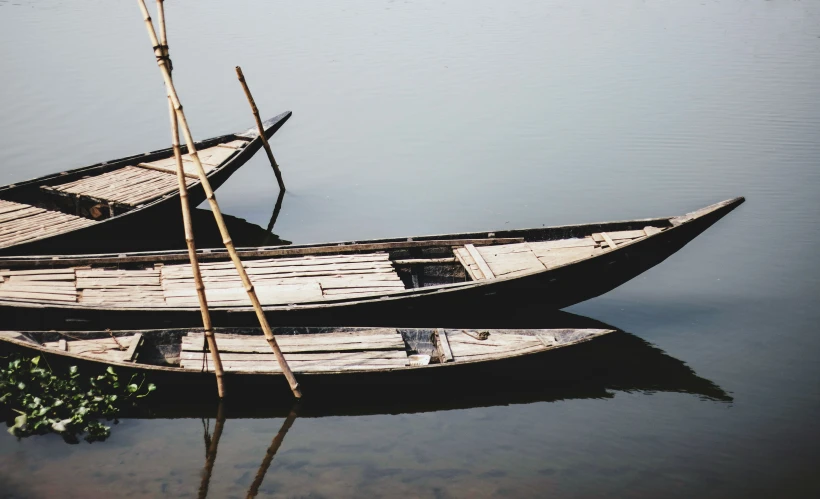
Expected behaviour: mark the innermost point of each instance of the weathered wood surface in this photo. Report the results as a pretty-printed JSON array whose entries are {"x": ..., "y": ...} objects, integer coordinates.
[
  {"x": 210, "y": 157},
  {"x": 510, "y": 260},
  {"x": 41, "y": 285},
  {"x": 445, "y": 352},
  {"x": 286, "y": 280},
  {"x": 467, "y": 348},
  {"x": 469, "y": 264},
  {"x": 106, "y": 349},
  {"x": 21, "y": 223},
  {"x": 479, "y": 260},
  {"x": 131, "y": 353},
  {"x": 362, "y": 350},
  {"x": 130, "y": 186},
  {"x": 277, "y": 281},
  {"x": 139, "y": 288}
]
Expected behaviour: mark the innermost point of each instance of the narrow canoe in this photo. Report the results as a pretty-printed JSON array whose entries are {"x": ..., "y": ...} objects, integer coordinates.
[
  {"x": 81, "y": 210},
  {"x": 419, "y": 281},
  {"x": 318, "y": 356}
]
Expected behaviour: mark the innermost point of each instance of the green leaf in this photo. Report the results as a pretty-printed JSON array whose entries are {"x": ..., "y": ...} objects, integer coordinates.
[
  {"x": 20, "y": 422},
  {"x": 110, "y": 370},
  {"x": 35, "y": 360},
  {"x": 73, "y": 370}
]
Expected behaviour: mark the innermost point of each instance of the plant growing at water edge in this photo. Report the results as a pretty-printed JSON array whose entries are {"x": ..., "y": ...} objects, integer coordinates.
[{"x": 64, "y": 403}]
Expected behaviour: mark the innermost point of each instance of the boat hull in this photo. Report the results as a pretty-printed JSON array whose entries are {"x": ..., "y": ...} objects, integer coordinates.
[
  {"x": 127, "y": 232},
  {"x": 447, "y": 306}
]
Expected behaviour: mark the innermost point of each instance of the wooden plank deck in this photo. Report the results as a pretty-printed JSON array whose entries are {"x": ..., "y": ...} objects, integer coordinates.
[
  {"x": 509, "y": 260},
  {"x": 138, "y": 184},
  {"x": 277, "y": 281},
  {"x": 378, "y": 349},
  {"x": 121, "y": 349},
  {"x": 284, "y": 280},
  {"x": 210, "y": 159},
  {"x": 20, "y": 223},
  {"x": 465, "y": 347}
]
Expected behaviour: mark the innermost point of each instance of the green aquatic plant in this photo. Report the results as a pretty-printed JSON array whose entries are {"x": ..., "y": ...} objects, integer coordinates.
[{"x": 64, "y": 403}]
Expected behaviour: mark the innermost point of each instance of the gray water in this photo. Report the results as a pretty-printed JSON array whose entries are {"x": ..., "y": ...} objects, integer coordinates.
[{"x": 417, "y": 117}]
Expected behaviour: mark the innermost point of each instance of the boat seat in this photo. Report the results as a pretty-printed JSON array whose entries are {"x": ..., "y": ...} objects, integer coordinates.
[
  {"x": 20, "y": 223},
  {"x": 130, "y": 186}
]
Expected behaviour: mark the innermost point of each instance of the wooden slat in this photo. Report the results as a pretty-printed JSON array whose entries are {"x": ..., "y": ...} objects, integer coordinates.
[
  {"x": 54, "y": 277},
  {"x": 36, "y": 296},
  {"x": 21, "y": 223},
  {"x": 510, "y": 260},
  {"x": 299, "y": 367},
  {"x": 563, "y": 256},
  {"x": 166, "y": 170},
  {"x": 479, "y": 260},
  {"x": 324, "y": 341},
  {"x": 468, "y": 263},
  {"x": 52, "y": 290},
  {"x": 618, "y": 235},
  {"x": 267, "y": 295},
  {"x": 649, "y": 230},
  {"x": 444, "y": 346},
  {"x": 36, "y": 272},
  {"x": 130, "y": 185},
  {"x": 234, "y": 144},
  {"x": 131, "y": 353},
  {"x": 302, "y": 343},
  {"x": 547, "y": 339},
  {"x": 542, "y": 246},
  {"x": 297, "y": 356},
  {"x": 608, "y": 240}
]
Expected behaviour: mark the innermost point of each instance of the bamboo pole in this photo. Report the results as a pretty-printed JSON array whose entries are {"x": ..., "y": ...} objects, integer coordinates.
[
  {"x": 270, "y": 453},
  {"x": 186, "y": 222},
  {"x": 210, "y": 452},
  {"x": 276, "y": 209},
  {"x": 261, "y": 129},
  {"x": 209, "y": 194}
]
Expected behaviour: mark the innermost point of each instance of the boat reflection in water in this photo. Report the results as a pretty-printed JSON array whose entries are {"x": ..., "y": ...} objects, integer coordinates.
[{"x": 617, "y": 362}]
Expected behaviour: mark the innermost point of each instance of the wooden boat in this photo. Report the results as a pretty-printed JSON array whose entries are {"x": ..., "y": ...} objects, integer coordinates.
[
  {"x": 317, "y": 356},
  {"x": 418, "y": 281},
  {"x": 76, "y": 209}
]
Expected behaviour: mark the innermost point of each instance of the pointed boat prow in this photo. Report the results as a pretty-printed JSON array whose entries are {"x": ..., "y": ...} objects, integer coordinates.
[
  {"x": 715, "y": 211},
  {"x": 271, "y": 126}
]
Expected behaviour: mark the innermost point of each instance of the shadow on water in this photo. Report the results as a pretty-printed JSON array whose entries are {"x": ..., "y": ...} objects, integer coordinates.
[
  {"x": 619, "y": 361},
  {"x": 616, "y": 362},
  {"x": 167, "y": 234}
]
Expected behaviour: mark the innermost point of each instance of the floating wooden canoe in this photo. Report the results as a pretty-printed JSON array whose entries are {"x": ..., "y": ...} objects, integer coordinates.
[
  {"x": 310, "y": 353},
  {"x": 75, "y": 209},
  {"x": 419, "y": 281}
]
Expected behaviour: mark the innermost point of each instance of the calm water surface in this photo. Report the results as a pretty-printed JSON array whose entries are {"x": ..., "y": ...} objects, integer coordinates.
[{"x": 416, "y": 117}]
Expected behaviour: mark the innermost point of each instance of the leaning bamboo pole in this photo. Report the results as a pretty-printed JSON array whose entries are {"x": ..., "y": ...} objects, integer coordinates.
[
  {"x": 210, "y": 452},
  {"x": 271, "y": 453},
  {"x": 186, "y": 221},
  {"x": 209, "y": 194},
  {"x": 261, "y": 129}
]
